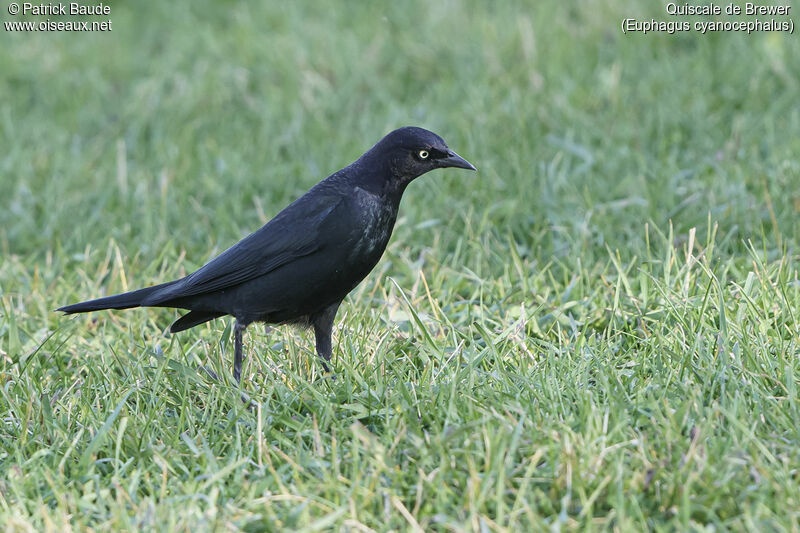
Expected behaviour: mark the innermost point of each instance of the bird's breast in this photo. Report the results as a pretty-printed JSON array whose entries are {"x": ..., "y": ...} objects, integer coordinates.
[{"x": 376, "y": 219}]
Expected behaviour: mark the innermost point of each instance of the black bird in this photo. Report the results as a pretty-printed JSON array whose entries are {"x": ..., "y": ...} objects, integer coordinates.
[{"x": 301, "y": 264}]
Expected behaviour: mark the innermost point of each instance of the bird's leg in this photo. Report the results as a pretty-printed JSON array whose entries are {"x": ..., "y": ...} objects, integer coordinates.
[
  {"x": 238, "y": 331},
  {"x": 323, "y": 327}
]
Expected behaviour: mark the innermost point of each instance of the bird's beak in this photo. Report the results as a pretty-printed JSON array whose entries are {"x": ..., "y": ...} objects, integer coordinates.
[{"x": 456, "y": 161}]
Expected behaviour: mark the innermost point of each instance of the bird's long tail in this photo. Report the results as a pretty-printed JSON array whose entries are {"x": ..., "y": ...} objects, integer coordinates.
[{"x": 119, "y": 301}]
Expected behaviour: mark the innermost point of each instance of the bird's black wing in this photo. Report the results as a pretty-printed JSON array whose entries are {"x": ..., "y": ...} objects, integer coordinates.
[{"x": 292, "y": 234}]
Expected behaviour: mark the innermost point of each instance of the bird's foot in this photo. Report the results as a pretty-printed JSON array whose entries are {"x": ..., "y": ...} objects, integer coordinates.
[
  {"x": 327, "y": 373},
  {"x": 246, "y": 399},
  {"x": 251, "y": 405},
  {"x": 210, "y": 372}
]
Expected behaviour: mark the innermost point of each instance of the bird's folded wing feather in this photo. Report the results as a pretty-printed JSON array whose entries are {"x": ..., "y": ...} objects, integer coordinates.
[{"x": 292, "y": 234}]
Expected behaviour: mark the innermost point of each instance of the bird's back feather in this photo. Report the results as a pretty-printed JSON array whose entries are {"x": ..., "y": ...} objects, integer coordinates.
[{"x": 291, "y": 235}]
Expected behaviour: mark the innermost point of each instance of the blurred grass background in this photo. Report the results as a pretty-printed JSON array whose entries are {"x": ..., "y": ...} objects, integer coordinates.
[{"x": 596, "y": 330}]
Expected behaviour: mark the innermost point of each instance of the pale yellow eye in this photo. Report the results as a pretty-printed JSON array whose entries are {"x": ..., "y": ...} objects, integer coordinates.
[{"x": 423, "y": 154}]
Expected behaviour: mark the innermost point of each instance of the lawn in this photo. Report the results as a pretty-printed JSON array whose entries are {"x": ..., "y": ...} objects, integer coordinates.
[{"x": 598, "y": 330}]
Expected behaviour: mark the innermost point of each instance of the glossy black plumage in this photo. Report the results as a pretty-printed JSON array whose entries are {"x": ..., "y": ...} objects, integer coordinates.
[{"x": 299, "y": 266}]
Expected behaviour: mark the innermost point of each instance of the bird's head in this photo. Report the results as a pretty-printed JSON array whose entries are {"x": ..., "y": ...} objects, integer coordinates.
[{"x": 411, "y": 152}]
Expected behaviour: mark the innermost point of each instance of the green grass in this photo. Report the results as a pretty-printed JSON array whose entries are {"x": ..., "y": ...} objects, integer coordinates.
[{"x": 598, "y": 330}]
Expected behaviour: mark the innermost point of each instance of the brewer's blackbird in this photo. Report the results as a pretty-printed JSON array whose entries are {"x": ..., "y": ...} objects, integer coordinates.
[{"x": 300, "y": 265}]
